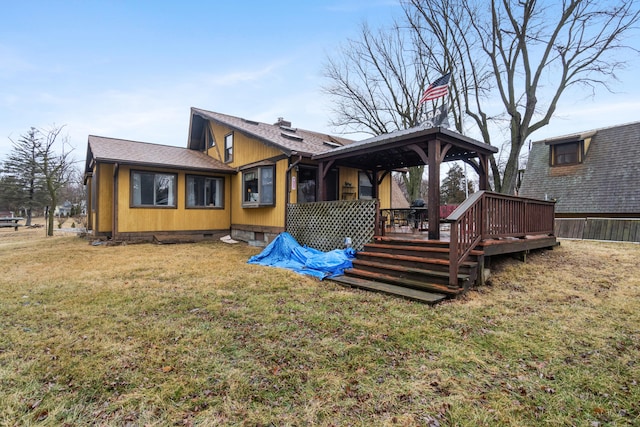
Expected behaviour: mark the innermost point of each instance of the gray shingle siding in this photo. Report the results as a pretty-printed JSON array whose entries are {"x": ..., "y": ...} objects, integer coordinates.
[{"x": 607, "y": 182}]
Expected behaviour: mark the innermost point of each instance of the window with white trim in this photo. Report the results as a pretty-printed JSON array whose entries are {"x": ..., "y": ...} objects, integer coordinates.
[
  {"x": 153, "y": 189},
  {"x": 258, "y": 186},
  {"x": 204, "y": 191}
]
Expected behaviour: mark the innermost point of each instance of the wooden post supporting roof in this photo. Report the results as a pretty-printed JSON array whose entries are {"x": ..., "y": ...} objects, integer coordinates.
[
  {"x": 433, "y": 198},
  {"x": 322, "y": 192}
]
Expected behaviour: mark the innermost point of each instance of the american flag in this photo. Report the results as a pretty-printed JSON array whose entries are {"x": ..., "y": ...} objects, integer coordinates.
[{"x": 436, "y": 89}]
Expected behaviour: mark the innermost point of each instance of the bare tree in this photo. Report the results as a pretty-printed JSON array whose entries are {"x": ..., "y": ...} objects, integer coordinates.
[
  {"x": 56, "y": 167},
  {"x": 376, "y": 82},
  {"x": 525, "y": 54}
]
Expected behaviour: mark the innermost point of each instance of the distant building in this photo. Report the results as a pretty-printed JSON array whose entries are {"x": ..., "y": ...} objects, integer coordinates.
[
  {"x": 592, "y": 174},
  {"x": 63, "y": 209}
]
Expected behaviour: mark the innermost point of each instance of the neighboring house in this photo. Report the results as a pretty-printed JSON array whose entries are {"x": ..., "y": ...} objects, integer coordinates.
[
  {"x": 64, "y": 209},
  {"x": 593, "y": 174},
  {"x": 235, "y": 176}
]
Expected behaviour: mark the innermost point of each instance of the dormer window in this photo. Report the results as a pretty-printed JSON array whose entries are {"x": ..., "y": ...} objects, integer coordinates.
[{"x": 567, "y": 153}]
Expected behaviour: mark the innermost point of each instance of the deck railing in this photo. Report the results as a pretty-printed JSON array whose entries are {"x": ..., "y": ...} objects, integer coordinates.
[{"x": 487, "y": 215}]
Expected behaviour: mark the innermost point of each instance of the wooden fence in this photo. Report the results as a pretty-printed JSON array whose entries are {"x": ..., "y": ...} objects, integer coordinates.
[{"x": 616, "y": 229}]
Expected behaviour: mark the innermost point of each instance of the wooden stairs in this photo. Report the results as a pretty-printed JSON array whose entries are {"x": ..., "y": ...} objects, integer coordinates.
[{"x": 411, "y": 268}]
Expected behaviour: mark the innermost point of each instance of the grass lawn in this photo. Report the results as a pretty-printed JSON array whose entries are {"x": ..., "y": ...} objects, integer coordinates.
[{"x": 190, "y": 334}]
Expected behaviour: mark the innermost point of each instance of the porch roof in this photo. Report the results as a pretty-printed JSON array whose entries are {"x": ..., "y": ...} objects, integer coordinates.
[{"x": 398, "y": 149}]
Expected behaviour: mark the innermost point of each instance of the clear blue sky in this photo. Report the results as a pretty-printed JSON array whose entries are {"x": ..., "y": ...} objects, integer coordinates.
[{"x": 132, "y": 69}]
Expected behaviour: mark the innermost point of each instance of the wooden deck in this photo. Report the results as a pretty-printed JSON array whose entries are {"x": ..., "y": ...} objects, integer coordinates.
[
  {"x": 407, "y": 263},
  {"x": 413, "y": 267}
]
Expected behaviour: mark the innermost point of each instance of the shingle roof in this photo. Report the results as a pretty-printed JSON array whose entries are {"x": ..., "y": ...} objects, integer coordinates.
[
  {"x": 290, "y": 140},
  {"x": 398, "y": 200},
  {"x": 112, "y": 150},
  {"x": 397, "y": 149},
  {"x": 606, "y": 182}
]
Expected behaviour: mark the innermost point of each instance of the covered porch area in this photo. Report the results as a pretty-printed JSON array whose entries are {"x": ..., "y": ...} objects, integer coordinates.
[
  {"x": 445, "y": 255},
  {"x": 418, "y": 146}
]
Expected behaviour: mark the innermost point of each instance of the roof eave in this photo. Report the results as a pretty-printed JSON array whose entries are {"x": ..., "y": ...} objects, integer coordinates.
[{"x": 126, "y": 162}]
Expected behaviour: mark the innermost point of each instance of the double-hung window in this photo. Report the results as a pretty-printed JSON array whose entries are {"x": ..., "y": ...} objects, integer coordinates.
[
  {"x": 258, "y": 186},
  {"x": 153, "y": 189},
  {"x": 204, "y": 191}
]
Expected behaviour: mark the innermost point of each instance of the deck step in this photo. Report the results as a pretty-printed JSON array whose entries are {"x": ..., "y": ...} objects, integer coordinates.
[
  {"x": 418, "y": 260},
  {"x": 409, "y": 270},
  {"x": 441, "y": 252},
  {"x": 411, "y": 258},
  {"x": 372, "y": 285},
  {"x": 411, "y": 241},
  {"x": 405, "y": 282}
]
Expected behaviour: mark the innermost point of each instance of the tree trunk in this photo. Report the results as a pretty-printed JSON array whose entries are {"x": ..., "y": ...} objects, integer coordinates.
[
  {"x": 510, "y": 173},
  {"x": 51, "y": 218},
  {"x": 28, "y": 220},
  {"x": 513, "y": 163},
  {"x": 413, "y": 182}
]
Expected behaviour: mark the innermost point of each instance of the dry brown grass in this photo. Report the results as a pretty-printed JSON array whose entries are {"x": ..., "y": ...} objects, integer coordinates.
[{"x": 192, "y": 335}]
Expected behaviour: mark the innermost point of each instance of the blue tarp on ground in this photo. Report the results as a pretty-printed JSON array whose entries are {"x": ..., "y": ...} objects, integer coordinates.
[{"x": 285, "y": 252}]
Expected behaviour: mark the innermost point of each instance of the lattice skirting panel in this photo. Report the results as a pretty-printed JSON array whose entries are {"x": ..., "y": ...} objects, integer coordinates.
[{"x": 325, "y": 225}]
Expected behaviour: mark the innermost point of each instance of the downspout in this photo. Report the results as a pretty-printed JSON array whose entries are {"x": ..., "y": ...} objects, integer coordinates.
[
  {"x": 88, "y": 177},
  {"x": 114, "y": 219},
  {"x": 230, "y": 177}
]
